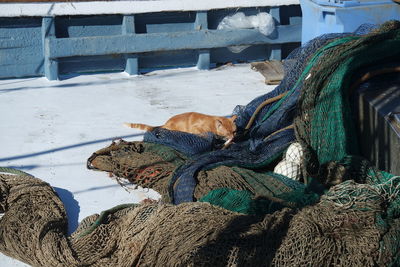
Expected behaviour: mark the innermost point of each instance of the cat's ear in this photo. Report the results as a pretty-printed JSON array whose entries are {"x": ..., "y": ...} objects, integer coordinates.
[
  {"x": 218, "y": 124},
  {"x": 233, "y": 118}
]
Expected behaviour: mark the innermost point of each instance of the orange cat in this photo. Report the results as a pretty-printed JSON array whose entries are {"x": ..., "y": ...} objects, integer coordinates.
[{"x": 195, "y": 123}]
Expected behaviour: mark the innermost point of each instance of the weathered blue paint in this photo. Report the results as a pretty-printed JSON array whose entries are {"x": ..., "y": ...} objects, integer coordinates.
[
  {"x": 132, "y": 60},
  {"x": 201, "y": 23},
  {"x": 20, "y": 47},
  {"x": 48, "y": 34},
  {"x": 78, "y": 26},
  {"x": 128, "y": 24},
  {"x": 52, "y": 46},
  {"x": 320, "y": 17},
  {"x": 169, "y": 27},
  {"x": 167, "y": 59},
  {"x": 90, "y": 64},
  {"x": 276, "y": 49},
  {"x": 164, "y": 22},
  {"x": 140, "y": 43},
  {"x": 203, "y": 63},
  {"x": 132, "y": 64}
]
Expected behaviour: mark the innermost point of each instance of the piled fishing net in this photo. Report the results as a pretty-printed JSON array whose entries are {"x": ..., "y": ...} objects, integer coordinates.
[
  {"x": 320, "y": 115},
  {"x": 143, "y": 164},
  {"x": 339, "y": 230},
  {"x": 152, "y": 166},
  {"x": 324, "y": 123},
  {"x": 313, "y": 109},
  {"x": 339, "y": 211}
]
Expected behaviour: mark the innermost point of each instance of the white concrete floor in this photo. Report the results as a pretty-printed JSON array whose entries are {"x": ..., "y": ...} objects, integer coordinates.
[{"x": 49, "y": 129}]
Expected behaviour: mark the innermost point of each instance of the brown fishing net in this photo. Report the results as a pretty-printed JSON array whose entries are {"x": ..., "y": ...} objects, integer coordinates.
[
  {"x": 34, "y": 225},
  {"x": 127, "y": 160},
  {"x": 152, "y": 166},
  {"x": 332, "y": 232},
  {"x": 142, "y": 164},
  {"x": 220, "y": 177}
]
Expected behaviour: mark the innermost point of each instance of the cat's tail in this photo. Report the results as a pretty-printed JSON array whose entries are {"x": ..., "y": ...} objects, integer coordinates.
[{"x": 139, "y": 126}]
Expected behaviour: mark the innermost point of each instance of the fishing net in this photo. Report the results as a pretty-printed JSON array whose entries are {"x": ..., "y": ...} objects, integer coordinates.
[
  {"x": 314, "y": 97},
  {"x": 259, "y": 144},
  {"x": 341, "y": 211},
  {"x": 143, "y": 164},
  {"x": 152, "y": 166},
  {"x": 320, "y": 115},
  {"x": 339, "y": 230},
  {"x": 324, "y": 123}
]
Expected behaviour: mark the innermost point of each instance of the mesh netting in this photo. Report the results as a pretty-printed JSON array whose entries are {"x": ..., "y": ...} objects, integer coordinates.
[
  {"x": 339, "y": 230},
  {"x": 152, "y": 166},
  {"x": 346, "y": 213},
  {"x": 324, "y": 123},
  {"x": 257, "y": 146},
  {"x": 316, "y": 101},
  {"x": 320, "y": 115}
]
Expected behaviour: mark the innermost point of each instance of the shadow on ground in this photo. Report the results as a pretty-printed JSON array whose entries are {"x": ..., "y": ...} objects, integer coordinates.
[
  {"x": 71, "y": 207},
  {"x": 68, "y": 147}
]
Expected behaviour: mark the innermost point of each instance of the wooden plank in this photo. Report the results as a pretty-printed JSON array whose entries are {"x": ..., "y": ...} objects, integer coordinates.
[
  {"x": 169, "y": 27},
  {"x": 91, "y": 30},
  {"x": 49, "y": 33},
  {"x": 25, "y": 70},
  {"x": 139, "y": 43},
  {"x": 20, "y": 48},
  {"x": 201, "y": 23},
  {"x": 276, "y": 49},
  {"x": 203, "y": 62},
  {"x": 37, "y": 44},
  {"x": 19, "y": 43},
  {"x": 271, "y": 70},
  {"x": 19, "y": 56},
  {"x": 132, "y": 60}
]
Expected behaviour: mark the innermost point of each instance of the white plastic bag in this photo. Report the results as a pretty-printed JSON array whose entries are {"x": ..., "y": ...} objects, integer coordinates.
[{"x": 263, "y": 21}]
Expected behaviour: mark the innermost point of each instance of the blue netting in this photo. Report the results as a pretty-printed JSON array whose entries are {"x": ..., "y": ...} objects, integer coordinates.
[
  {"x": 251, "y": 149},
  {"x": 186, "y": 143}
]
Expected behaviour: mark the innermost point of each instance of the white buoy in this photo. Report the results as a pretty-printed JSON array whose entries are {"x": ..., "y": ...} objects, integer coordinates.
[
  {"x": 294, "y": 153},
  {"x": 288, "y": 169}
]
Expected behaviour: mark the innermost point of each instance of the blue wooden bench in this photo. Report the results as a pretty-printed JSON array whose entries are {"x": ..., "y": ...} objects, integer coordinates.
[{"x": 50, "y": 46}]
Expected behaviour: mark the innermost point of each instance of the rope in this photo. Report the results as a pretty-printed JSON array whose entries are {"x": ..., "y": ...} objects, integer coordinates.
[
  {"x": 390, "y": 190},
  {"x": 103, "y": 216},
  {"x": 263, "y": 104},
  {"x": 349, "y": 194},
  {"x": 291, "y": 126},
  {"x": 13, "y": 171}
]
